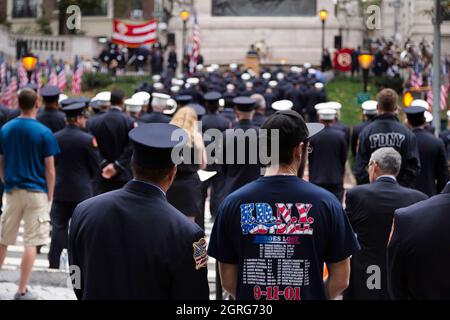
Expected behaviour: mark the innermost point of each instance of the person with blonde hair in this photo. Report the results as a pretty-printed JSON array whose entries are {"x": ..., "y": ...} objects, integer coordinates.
[{"x": 185, "y": 194}]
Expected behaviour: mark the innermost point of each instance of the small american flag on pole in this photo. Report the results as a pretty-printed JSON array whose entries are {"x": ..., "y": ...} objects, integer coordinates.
[
  {"x": 3, "y": 72},
  {"x": 196, "y": 43},
  {"x": 11, "y": 92},
  {"x": 23, "y": 76},
  {"x": 444, "y": 97},
  {"x": 62, "y": 80},
  {"x": 77, "y": 76}
]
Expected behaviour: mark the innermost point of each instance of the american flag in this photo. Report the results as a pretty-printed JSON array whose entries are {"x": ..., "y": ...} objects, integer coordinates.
[
  {"x": 196, "y": 42},
  {"x": 200, "y": 256},
  {"x": 38, "y": 78},
  {"x": 3, "y": 72},
  {"x": 53, "y": 78},
  {"x": 5, "y": 94},
  {"x": 77, "y": 76},
  {"x": 416, "y": 80},
  {"x": 62, "y": 80},
  {"x": 23, "y": 76},
  {"x": 444, "y": 96},
  {"x": 11, "y": 93}
]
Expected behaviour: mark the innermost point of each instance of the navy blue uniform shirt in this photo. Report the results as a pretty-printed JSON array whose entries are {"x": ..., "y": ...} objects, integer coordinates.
[
  {"x": 132, "y": 244},
  {"x": 76, "y": 165}
]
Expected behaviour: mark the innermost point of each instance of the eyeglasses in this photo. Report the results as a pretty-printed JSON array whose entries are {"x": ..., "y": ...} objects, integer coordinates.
[{"x": 369, "y": 165}]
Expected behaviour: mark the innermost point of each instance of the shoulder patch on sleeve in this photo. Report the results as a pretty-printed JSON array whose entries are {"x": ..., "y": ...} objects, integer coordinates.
[
  {"x": 94, "y": 142},
  {"x": 200, "y": 256}
]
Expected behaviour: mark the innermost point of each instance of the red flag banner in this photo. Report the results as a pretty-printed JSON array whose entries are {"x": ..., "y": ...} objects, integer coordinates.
[{"x": 134, "y": 35}]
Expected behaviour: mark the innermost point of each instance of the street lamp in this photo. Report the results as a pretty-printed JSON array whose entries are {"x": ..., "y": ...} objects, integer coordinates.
[
  {"x": 365, "y": 61},
  {"x": 29, "y": 63},
  {"x": 184, "y": 16},
  {"x": 323, "y": 15}
]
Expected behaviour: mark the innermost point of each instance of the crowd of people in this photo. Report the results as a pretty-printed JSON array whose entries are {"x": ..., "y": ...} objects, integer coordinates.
[{"x": 107, "y": 165}]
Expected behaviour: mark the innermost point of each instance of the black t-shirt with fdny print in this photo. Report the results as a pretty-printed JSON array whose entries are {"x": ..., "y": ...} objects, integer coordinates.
[{"x": 280, "y": 230}]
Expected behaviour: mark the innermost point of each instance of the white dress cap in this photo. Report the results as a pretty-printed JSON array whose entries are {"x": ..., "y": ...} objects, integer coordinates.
[
  {"x": 282, "y": 105},
  {"x": 142, "y": 96}
]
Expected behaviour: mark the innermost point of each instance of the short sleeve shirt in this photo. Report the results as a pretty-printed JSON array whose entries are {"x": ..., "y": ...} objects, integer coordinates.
[
  {"x": 24, "y": 144},
  {"x": 280, "y": 231}
]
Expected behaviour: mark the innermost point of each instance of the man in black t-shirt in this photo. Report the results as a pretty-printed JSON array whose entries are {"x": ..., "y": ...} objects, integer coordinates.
[{"x": 273, "y": 236}]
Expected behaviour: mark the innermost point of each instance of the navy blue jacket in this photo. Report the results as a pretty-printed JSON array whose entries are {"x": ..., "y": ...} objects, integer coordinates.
[
  {"x": 55, "y": 120},
  {"x": 238, "y": 174},
  {"x": 370, "y": 209},
  {"x": 215, "y": 121},
  {"x": 433, "y": 163},
  {"x": 154, "y": 117},
  {"x": 328, "y": 157},
  {"x": 132, "y": 244},
  {"x": 357, "y": 129},
  {"x": 418, "y": 257},
  {"x": 111, "y": 131},
  {"x": 76, "y": 165},
  {"x": 387, "y": 131}
]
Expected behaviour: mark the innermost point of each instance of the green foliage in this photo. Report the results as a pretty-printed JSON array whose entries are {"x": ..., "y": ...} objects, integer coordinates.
[
  {"x": 389, "y": 82},
  {"x": 96, "y": 81},
  {"x": 345, "y": 90},
  {"x": 44, "y": 22}
]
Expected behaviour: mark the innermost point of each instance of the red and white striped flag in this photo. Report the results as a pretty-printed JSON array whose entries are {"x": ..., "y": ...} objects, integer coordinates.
[
  {"x": 444, "y": 97},
  {"x": 416, "y": 80},
  {"x": 77, "y": 77},
  {"x": 62, "y": 80},
  {"x": 53, "y": 78},
  {"x": 23, "y": 76},
  {"x": 3, "y": 73},
  {"x": 134, "y": 35},
  {"x": 11, "y": 92},
  {"x": 196, "y": 43},
  {"x": 5, "y": 94}
]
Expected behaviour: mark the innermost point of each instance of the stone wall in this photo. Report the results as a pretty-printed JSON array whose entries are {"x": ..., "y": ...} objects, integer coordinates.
[
  {"x": 295, "y": 39},
  {"x": 64, "y": 47}
]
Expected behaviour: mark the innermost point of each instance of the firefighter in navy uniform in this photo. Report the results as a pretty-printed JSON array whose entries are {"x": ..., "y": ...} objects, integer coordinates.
[
  {"x": 111, "y": 131},
  {"x": 131, "y": 243},
  {"x": 418, "y": 250},
  {"x": 328, "y": 157},
  {"x": 238, "y": 174},
  {"x": 369, "y": 112},
  {"x": 445, "y": 137},
  {"x": 433, "y": 159},
  {"x": 387, "y": 131},
  {"x": 50, "y": 116},
  {"x": 213, "y": 120},
  {"x": 76, "y": 167}
]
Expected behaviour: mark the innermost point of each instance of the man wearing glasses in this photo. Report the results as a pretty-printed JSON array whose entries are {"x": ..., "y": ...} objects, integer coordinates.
[{"x": 370, "y": 209}]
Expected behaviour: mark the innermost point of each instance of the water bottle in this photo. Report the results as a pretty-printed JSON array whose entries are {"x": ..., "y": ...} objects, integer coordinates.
[{"x": 64, "y": 261}]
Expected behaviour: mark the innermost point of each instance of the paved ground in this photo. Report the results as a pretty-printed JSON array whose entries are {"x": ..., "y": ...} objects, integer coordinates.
[{"x": 52, "y": 285}]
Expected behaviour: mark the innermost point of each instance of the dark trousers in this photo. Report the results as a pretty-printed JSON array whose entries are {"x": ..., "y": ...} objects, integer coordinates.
[
  {"x": 336, "y": 189},
  {"x": 60, "y": 215}
]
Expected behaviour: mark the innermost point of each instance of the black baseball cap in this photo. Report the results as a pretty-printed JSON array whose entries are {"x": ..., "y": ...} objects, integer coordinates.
[{"x": 292, "y": 127}]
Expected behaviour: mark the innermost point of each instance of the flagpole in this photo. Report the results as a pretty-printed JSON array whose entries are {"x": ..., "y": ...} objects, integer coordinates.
[{"x": 436, "y": 68}]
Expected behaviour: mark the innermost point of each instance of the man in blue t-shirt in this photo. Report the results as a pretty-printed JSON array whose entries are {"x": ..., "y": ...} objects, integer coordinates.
[
  {"x": 273, "y": 236},
  {"x": 27, "y": 169}
]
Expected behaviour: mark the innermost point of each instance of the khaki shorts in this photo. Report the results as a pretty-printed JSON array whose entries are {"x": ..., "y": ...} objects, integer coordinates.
[{"x": 31, "y": 207}]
